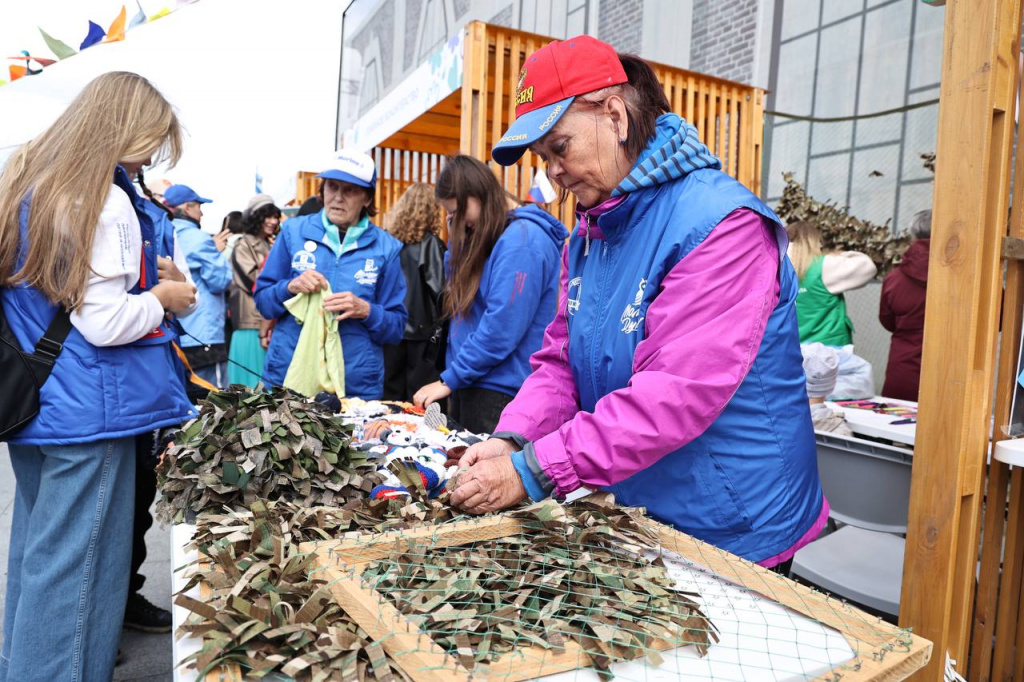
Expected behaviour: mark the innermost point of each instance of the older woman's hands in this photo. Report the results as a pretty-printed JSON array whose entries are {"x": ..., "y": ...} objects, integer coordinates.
[
  {"x": 488, "y": 449},
  {"x": 488, "y": 485}
]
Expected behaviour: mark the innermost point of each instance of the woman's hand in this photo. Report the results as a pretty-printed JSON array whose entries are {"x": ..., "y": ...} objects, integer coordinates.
[
  {"x": 167, "y": 271},
  {"x": 489, "y": 485},
  {"x": 308, "y": 282},
  {"x": 348, "y": 305},
  {"x": 431, "y": 393},
  {"x": 488, "y": 449},
  {"x": 266, "y": 329},
  {"x": 174, "y": 296}
]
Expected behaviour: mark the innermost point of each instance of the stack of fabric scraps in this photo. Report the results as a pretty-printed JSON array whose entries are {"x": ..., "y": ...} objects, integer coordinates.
[{"x": 247, "y": 446}]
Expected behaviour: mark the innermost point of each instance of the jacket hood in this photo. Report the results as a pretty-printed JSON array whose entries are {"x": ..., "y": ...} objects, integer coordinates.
[
  {"x": 674, "y": 152},
  {"x": 184, "y": 222},
  {"x": 915, "y": 261},
  {"x": 551, "y": 226}
]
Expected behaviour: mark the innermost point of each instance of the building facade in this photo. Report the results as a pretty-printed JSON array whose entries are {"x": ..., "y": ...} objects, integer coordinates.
[{"x": 819, "y": 59}]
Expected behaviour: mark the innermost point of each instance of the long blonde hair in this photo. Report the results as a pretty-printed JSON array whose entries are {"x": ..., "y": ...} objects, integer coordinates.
[
  {"x": 415, "y": 214},
  {"x": 804, "y": 245},
  {"x": 118, "y": 116}
]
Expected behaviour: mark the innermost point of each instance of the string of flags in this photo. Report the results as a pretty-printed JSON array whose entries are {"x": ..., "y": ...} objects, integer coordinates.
[{"x": 32, "y": 65}]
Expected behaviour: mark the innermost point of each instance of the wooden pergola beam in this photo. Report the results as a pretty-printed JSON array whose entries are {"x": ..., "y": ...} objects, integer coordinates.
[{"x": 972, "y": 187}]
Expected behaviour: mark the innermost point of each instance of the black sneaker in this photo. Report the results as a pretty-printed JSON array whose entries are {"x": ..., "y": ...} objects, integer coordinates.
[{"x": 140, "y": 615}]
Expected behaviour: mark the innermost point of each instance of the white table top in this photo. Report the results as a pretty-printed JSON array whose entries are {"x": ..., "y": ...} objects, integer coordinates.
[{"x": 876, "y": 425}]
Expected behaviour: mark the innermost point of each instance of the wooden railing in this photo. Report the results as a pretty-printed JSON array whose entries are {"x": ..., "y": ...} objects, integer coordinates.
[{"x": 728, "y": 116}]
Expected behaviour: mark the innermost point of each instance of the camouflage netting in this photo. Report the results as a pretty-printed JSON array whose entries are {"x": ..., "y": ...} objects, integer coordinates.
[
  {"x": 841, "y": 231},
  {"x": 580, "y": 576},
  {"x": 247, "y": 446}
]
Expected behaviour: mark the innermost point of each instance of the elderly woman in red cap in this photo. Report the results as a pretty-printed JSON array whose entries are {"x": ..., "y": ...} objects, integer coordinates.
[{"x": 671, "y": 374}]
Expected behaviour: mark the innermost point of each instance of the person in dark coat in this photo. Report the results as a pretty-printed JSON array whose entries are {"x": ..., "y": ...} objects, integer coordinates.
[
  {"x": 902, "y": 312},
  {"x": 415, "y": 221}
]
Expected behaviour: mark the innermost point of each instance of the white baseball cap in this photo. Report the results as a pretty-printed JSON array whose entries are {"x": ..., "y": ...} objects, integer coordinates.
[{"x": 353, "y": 167}]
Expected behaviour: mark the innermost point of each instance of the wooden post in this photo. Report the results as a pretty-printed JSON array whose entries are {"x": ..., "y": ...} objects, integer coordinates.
[
  {"x": 474, "y": 91},
  {"x": 981, "y": 46}
]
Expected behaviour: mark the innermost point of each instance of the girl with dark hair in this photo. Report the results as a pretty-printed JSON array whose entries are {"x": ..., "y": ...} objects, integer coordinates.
[
  {"x": 501, "y": 293},
  {"x": 258, "y": 225},
  {"x": 671, "y": 375},
  {"x": 233, "y": 223},
  {"x": 415, "y": 221}
]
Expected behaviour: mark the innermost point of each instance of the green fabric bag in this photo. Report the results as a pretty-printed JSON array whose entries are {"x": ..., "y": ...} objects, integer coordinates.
[{"x": 318, "y": 363}]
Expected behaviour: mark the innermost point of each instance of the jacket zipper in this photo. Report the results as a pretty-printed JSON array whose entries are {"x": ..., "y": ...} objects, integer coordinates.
[{"x": 595, "y": 333}]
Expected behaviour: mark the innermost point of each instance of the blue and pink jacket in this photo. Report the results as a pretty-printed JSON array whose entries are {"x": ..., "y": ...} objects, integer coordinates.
[{"x": 672, "y": 373}]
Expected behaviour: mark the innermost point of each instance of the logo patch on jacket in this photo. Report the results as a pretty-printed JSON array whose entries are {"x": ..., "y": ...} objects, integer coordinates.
[
  {"x": 631, "y": 317},
  {"x": 303, "y": 260},
  {"x": 369, "y": 274},
  {"x": 575, "y": 289}
]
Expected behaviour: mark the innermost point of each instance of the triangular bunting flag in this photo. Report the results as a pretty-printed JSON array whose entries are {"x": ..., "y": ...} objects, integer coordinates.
[
  {"x": 41, "y": 60},
  {"x": 2, "y": 82},
  {"x": 160, "y": 15},
  {"x": 139, "y": 18},
  {"x": 116, "y": 30},
  {"x": 58, "y": 47},
  {"x": 16, "y": 72},
  {"x": 96, "y": 34}
]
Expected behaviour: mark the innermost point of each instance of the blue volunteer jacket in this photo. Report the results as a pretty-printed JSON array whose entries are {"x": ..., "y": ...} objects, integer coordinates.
[
  {"x": 211, "y": 273},
  {"x": 94, "y": 393},
  {"x": 371, "y": 270},
  {"x": 749, "y": 483},
  {"x": 490, "y": 347}
]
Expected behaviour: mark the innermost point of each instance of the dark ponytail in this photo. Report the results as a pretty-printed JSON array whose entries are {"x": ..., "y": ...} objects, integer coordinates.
[
  {"x": 645, "y": 102},
  {"x": 149, "y": 195}
]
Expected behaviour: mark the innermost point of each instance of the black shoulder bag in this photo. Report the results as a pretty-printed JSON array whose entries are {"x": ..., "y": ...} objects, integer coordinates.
[{"x": 23, "y": 374}]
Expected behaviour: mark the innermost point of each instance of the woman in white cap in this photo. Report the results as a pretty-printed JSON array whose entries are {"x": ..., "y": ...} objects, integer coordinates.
[
  {"x": 247, "y": 353},
  {"x": 340, "y": 249}
]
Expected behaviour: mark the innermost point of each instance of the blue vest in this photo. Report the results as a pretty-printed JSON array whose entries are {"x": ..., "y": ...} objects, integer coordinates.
[
  {"x": 95, "y": 393},
  {"x": 749, "y": 483}
]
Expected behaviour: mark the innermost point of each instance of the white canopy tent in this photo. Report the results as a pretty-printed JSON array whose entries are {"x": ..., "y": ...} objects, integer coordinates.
[{"x": 255, "y": 85}]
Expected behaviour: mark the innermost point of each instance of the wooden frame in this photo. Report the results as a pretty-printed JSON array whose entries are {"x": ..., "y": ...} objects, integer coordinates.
[
  {"x": 962, "y": 325},
  {"x": 895, "y": 653}
]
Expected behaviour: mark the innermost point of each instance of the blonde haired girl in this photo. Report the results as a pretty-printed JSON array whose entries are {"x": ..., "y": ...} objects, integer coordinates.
[
  {"x": 824, "y": 278},
  {"x": 74, "y": 236}
]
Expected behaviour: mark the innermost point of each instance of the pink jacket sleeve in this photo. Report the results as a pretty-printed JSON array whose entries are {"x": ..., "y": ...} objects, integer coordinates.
[
  {"x": 549, "y": 397},
  {"x": 703, "y": 332}
]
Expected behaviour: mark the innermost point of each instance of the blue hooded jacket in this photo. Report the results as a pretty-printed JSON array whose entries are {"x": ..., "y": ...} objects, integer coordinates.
[
  {"x": 95, "y": 393},
  {"x": 370, "y": 269},
  {"x": 211, "y": 273},
  {"x": 490, "y": 347}
]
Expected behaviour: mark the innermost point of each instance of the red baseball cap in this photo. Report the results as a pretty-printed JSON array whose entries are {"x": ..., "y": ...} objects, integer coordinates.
[{"x": 549, "y": 82}]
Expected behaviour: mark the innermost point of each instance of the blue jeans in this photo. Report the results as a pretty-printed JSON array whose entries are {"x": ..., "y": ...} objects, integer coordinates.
[
  {"x": 216, "y": 374},
  {"x": 68, "y": 568}
]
